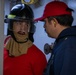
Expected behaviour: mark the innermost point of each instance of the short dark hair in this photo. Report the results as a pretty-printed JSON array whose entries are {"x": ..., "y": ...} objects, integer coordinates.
[{"x": 65, "y": 20}]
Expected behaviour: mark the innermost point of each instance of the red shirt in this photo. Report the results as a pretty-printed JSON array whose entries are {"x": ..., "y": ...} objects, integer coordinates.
[{"x": 32, "y": 63}]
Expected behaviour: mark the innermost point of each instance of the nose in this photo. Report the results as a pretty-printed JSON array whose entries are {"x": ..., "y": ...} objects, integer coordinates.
[{"x": 23, "y": 27}]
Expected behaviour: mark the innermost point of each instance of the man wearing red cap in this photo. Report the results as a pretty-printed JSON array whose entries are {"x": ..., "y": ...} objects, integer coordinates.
[{"x": 58, "y": 24}]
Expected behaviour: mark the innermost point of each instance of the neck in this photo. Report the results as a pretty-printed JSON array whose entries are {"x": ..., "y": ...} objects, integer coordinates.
[{"x": 60, "y": 29}]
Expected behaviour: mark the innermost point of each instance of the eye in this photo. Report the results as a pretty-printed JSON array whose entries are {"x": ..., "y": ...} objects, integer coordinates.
[{"x": 18, "y": 23}]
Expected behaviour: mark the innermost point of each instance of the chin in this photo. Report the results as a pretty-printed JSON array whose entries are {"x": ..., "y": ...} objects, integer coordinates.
[{"x": 49, "y": 35}]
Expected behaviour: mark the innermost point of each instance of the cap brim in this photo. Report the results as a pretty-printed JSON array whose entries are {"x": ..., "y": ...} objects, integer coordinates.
[{"x": 40, "y": 19}]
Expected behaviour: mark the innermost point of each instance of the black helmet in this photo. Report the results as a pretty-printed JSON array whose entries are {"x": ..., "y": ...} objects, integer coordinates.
[{"x": 20, "y": 12}]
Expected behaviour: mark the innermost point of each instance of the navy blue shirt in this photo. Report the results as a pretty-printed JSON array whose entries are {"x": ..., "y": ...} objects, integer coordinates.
[{"x": 63, "y": 59}]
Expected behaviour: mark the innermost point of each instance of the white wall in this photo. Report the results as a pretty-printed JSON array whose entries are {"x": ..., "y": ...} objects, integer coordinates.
[{"x": 7, "y": 9}]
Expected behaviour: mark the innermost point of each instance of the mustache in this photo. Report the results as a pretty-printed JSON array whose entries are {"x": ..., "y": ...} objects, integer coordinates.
[{"x": 21, "y": 33}]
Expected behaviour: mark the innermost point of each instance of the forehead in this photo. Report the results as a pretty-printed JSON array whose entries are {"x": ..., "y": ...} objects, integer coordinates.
[{"x": 27, "y": 21}]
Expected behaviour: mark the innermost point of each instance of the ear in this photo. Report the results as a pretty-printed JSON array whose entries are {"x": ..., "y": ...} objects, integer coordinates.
[{"x": 54, "y": 22}]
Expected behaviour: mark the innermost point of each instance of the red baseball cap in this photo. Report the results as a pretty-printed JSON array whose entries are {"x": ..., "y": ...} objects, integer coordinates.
[{"x": 54, "y": 8}]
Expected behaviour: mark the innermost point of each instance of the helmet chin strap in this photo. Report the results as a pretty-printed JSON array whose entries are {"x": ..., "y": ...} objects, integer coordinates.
[{"x": 22, "y": 41}]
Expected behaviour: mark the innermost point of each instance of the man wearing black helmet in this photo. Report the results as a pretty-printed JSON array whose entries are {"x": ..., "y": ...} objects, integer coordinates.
[
  {"x": 57, "y": 18},
  {"x": 21, "y": 56}
]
